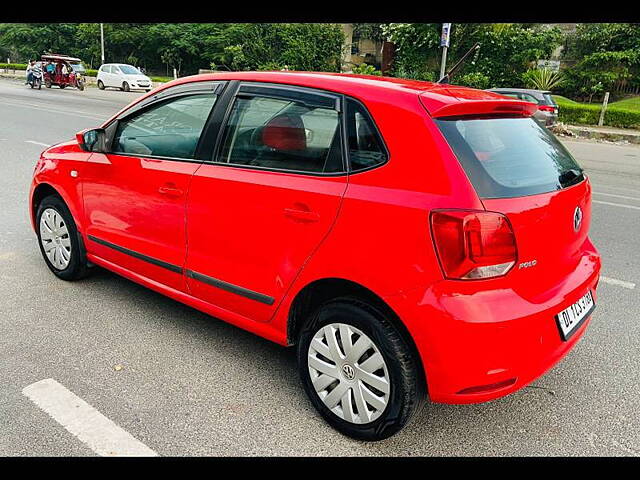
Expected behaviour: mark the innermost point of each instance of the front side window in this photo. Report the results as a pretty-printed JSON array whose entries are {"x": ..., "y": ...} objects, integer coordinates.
[
  {"x": 169, "y": 129},
  {"x": 365, "y": 146},
  {"x": 282, "y": 134}
]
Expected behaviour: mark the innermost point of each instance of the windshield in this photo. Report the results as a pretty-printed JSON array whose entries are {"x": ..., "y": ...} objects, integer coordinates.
[
  {"x": 129, "y": 70},
  {"x": 78, "y": 67},
  {"x": 510, "y": 157}
]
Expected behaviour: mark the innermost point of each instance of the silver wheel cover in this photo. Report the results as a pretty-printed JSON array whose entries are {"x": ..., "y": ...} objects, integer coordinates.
[
  {"x": 55, "y": 239},
  {"x": 348, "y": 373}
]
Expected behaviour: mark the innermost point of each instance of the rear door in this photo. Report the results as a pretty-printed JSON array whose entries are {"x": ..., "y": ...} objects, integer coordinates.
[
  {"x": 520, "y": 169},
  {"x": 272, "y": 193}
]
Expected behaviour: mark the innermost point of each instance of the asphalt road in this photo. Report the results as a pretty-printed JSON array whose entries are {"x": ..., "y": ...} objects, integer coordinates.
[{"x": 192, "y": 385}]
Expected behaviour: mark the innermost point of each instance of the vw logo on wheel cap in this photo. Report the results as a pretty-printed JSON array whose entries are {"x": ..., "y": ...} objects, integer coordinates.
[
  {"x": 577, "y": 218},
  {"x": 349, "y": 372}
]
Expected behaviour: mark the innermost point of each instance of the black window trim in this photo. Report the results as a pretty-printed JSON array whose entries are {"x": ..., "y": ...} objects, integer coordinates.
[
  {"x": 214, "y": 87},
  {"x": 376, "y": 131},
  {"x": 280, "y": 92}
]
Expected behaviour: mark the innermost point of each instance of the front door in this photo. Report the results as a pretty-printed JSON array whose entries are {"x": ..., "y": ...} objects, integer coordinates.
[
  {"x": 256, "y": 214},
  {"x": 134, "y": 196}
]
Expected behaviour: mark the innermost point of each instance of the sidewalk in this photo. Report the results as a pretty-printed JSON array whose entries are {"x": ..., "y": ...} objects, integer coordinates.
[{"x": 610, "y": 134}]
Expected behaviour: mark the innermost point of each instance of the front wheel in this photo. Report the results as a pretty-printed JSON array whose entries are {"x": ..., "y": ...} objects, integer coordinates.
[
  {"x": 47, "y": 83},
  {"x": 125, "y": 86},
  {"x": 62, "y": 86},
  {"x": 358, "y": 371},
  {"x": 100, "y": 85},
  {"x": 59, "y": 239}
]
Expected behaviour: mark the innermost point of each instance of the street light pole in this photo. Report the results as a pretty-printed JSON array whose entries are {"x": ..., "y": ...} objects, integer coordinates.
[
  {"x": 102, "y": 40},
  {"x": 444, "y": 43}
]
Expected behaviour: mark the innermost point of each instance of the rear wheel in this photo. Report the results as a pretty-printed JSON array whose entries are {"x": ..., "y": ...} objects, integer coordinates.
[
  {"x": 125, "y": 86},
  {"x": 357, "y": 370},
  {"x": 62, "y": 86},
  {"x": 100, "y": 85},
  {"x": 47, "y": 83},
  {"x": 59, "y": 239}
]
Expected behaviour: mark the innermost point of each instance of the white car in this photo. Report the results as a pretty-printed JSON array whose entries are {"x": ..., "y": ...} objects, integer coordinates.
[{"x": 122, "y": 76}]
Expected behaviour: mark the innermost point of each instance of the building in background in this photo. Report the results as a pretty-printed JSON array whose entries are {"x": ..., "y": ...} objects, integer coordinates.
[{"x": 358, "y": 50}]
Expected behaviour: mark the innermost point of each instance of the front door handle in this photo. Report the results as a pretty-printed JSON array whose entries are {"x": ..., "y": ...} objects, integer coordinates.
[
  {"x": 170, "y": 190},
  {"x": 301, "y": 215}
]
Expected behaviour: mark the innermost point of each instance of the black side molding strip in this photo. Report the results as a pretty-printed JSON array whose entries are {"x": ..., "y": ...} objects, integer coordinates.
[
  {"x": 230, "y": 287},
  {"x": 139, "y": 256}
]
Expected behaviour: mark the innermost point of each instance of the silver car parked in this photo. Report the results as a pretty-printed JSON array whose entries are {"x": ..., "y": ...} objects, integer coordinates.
[{"x": 547, "y": 113}]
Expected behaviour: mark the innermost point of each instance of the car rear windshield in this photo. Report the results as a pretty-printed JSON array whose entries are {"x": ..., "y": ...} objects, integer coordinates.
[{"x": 510, "y": 157}]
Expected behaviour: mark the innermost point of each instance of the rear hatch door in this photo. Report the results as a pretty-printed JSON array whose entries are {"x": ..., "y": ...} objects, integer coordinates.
[{"x": 520, "y": 169}]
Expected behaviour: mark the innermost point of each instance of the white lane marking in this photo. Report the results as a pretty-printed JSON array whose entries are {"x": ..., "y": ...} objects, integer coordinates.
[
  {"x": 91, "y": 427},
  {"x": 619, "y": 283},
  {"x": 37, "y": 143},
  {"x": 617, "y": 196},
  {"x": 73, "y": 113},
  {"x": 616, "y": 204}
]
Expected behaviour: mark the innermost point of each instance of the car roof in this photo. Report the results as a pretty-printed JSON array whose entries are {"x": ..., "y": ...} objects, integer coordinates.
[
  {"x": 523, "y": 90},
  {"x": 356, "y": 85},
  {"x": 438, "y": 99}
]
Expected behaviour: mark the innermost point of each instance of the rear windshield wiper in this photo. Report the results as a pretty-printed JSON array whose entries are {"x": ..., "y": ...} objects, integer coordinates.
[{"x": 568, "y": 177}]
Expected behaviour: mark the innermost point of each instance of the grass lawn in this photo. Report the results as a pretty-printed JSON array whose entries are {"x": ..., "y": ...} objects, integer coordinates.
[
  {"x": 560, "y": 99},
  {"x": 632, "y": 103}
]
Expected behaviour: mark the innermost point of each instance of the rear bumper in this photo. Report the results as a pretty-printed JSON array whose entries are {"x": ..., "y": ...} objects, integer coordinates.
[{"x": 478, "y": 344}]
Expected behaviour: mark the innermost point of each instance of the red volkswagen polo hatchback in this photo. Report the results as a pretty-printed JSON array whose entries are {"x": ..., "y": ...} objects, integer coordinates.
[{"x": 411, "y": 239}]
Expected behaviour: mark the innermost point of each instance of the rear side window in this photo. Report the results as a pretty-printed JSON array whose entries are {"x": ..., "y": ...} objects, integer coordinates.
[
  {"x": 548, "y": 99},
  {"x": 528, "y": 98},
  {"x": 283, "y": 134},
  {"x": 366, "y": 149},
  {"x": 510, "y": 157}
]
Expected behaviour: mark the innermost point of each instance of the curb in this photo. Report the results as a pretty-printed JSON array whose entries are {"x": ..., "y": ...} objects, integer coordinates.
[{"x": 611, "y": 136}]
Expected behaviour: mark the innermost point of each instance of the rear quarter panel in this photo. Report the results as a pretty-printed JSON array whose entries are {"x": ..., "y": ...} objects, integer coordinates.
[{"x": 381, "y": 238}]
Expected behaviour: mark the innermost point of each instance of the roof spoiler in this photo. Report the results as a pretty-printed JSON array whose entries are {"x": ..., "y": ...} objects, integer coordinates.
[{"x": 498, "y": 107}]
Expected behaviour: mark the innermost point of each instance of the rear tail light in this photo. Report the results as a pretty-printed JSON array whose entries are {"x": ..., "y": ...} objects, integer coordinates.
[
  {"x": 472, "y": 244},
  {"x": 547, "y": 108}
]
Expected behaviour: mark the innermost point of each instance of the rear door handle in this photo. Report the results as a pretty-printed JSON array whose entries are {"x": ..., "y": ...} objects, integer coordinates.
[
  {"x": 298, "y": 215},
  {"x": 170, "y": 190}
]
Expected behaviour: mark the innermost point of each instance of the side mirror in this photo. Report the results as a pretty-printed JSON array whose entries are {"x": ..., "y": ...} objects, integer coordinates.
[{"x": 91, "y": 140}]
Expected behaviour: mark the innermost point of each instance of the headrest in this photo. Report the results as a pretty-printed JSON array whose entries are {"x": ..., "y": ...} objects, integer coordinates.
[{"x": 285, "y": 132}]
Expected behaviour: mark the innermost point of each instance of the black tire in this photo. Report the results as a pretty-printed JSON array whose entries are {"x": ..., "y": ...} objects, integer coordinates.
[
  {"x": 125, "y": 86},
  {"x": 62, "y": 86},
  {"x": 100, "y": 85},
  {"x": 47, "y": 83},
  {"x": 405, "y": 392},
  {"x": 77, "y": 267}
]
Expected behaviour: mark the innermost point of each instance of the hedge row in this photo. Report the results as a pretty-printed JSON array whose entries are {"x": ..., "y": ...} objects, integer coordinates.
[
  {"x": 590, "y": 114},
  {"x": 13, "y": 66}
]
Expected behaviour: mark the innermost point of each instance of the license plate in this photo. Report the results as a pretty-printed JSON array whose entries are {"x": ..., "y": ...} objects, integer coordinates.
[{"x": 571, "y": 318}]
